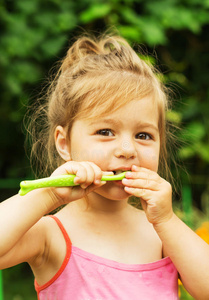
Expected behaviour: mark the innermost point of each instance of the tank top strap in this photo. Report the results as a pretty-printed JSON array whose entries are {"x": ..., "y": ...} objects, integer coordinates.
[
  {"x": 65, "y": 261},
  {"x": 64, "y": 232}
]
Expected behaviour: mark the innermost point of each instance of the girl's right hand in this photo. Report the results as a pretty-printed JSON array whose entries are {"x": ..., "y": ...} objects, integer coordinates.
[{"x": 88, "y": 176}]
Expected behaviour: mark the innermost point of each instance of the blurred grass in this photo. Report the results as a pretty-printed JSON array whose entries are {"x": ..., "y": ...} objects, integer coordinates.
[{"x": 18, "y": 283}]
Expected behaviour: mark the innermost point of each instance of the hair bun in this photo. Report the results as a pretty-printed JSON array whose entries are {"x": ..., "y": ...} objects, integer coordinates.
[
  {"x": 88, "y": 46},
  {"x": 80, "y": 49}
]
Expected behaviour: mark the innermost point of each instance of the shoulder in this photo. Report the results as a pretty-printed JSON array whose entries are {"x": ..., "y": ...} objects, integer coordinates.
[
  {"x": 39, "y": 232},
  {"x": 48, "y": 262},
  {"x": 48, "y": 227}
]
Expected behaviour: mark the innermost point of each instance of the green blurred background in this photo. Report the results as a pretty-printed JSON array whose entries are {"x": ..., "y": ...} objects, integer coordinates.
[{"x": 36, "y": 34}]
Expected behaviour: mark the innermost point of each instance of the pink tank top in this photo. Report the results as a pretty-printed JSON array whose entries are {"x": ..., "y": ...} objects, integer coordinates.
[{"x": 85, "y": 276}]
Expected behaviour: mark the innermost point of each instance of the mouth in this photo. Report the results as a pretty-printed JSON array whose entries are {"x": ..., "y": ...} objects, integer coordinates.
[{"x": 116, "y": 172}]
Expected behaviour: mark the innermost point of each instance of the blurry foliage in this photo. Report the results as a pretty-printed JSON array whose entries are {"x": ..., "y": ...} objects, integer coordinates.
[
  {"x": 18, "y": 283},
  {"x": 175, "y": 34}
]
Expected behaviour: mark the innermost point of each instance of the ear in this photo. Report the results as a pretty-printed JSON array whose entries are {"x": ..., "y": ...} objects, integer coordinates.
[{"x": 62, "y": 143}]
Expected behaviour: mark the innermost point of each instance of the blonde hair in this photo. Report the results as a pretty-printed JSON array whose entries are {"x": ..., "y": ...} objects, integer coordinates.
[{"x": 98, "y": 75}]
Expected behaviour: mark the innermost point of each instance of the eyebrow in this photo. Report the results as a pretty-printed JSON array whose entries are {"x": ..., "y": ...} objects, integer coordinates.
[
  {"x": 147, "y": 125},
  {"x": 118, "y": 123},
  {"x": 107, "y": 121}
]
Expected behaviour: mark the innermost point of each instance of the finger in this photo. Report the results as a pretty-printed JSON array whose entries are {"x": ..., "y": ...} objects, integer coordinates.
[
  {"x": 143, "y": 204},
  {"x": 94, "y": 174},
  {"x": 89, "y": 176},
  {"x": 97, "y": 173},
  {"x": 141, "y": 193},
  {"x": 69, "y": 167},
  {"x": 141, "y": 183},
  {"x": 93, "y": 187},
  {"x": 143, "y": 173}
]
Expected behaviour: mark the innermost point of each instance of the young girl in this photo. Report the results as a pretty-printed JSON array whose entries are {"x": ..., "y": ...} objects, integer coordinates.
[{"x": 104, "y": 114}]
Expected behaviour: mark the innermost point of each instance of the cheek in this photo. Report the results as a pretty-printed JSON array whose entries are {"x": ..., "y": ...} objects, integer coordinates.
[
  {"x": 149, "y": 158},
  {"x": 88, "y": 153}
]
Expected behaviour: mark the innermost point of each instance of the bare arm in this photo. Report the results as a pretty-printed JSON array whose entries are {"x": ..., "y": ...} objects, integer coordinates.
[
  {"x": 189, "y": 253},
  {"x": 20, "y": 240},
  {"x": 23, "y": 231}
]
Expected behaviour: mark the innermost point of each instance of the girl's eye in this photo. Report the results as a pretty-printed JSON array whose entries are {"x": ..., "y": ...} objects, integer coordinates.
[
  {"x": 144, "y": 136},
  {"x": 105, "y": 132}
]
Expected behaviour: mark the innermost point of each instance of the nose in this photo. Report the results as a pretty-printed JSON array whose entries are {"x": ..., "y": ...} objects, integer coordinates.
[{"x": 125, "y": 149}]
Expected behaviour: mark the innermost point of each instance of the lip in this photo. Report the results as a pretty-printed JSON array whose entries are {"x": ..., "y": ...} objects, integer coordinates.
[
  {"x": 118, "y": 182},
  {"x": 122, "y": 169}
]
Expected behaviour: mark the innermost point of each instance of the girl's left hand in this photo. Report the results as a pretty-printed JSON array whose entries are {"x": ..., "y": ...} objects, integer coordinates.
[{"x": 154, "y": 192}]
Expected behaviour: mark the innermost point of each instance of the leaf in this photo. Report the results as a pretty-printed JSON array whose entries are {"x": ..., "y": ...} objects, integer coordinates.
[
  {"x": 179, "y": 16},
  {"x": 52, "y": 46},
  {"x": 130, "y": 32},
  {"x": 194, "y": 132},
  {"x": 66, "y": 21},
  {"x": 203, "y": 151},
  {"x": 174, "y": 116},
  {"x": 130, "y": 16},
  {"x": 27, "y": 7},
  {"x": 96, "y": 11},
  {"x": 178, "y": 77},
  {"x": 186, "y": 152},
  {"x": 154, "y": 33}
]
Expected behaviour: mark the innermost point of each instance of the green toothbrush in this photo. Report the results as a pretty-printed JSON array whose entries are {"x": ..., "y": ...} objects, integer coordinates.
[{"x": 59, "y": 181}]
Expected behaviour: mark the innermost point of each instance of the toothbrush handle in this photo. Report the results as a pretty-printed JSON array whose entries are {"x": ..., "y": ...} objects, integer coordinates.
[{"x": 58, "y": 181}]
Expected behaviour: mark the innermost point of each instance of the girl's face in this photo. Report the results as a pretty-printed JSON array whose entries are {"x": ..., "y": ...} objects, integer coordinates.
[{"x": 126, "y": 137}]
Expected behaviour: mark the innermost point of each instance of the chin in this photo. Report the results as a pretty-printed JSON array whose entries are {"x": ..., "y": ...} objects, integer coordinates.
[{"x": 113, "y": 192}]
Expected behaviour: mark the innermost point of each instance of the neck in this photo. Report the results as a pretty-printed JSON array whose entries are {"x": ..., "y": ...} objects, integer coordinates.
[{"x": 98, "y": 204}]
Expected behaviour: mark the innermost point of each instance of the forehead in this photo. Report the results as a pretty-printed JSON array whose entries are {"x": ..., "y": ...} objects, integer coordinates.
[
  {"x": 110, "y": 91},
  {"x": 136, "y": 111}
]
